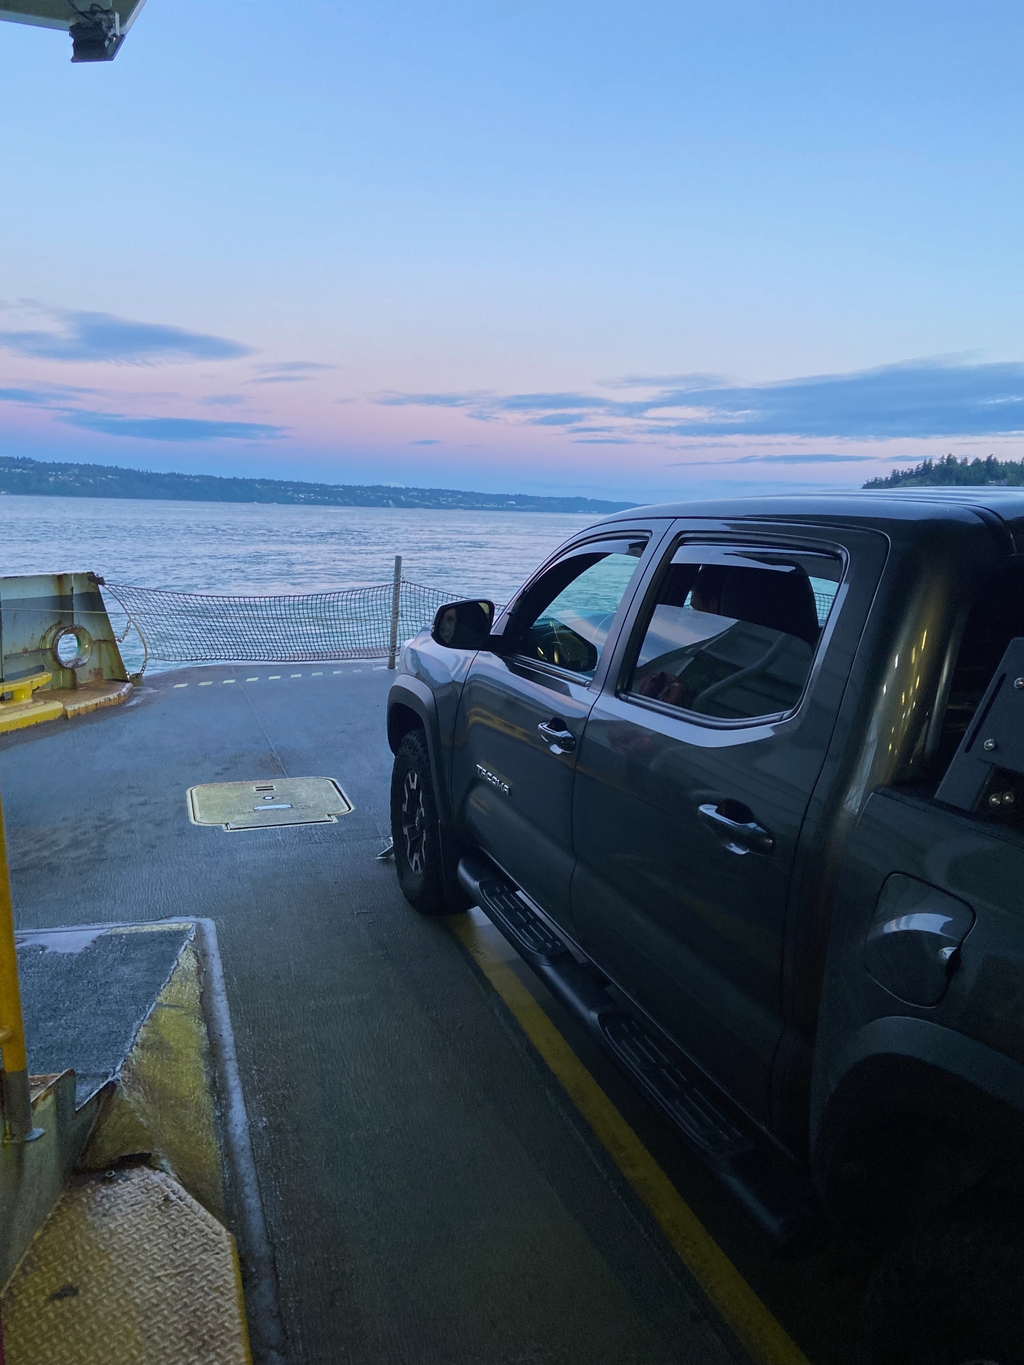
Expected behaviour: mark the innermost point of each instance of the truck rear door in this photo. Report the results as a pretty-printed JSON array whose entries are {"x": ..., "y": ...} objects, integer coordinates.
[{"x": 694, "y": 776}]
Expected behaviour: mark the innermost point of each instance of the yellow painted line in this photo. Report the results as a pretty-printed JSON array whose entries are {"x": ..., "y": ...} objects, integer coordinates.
[{"x": 754, "y": 1326}]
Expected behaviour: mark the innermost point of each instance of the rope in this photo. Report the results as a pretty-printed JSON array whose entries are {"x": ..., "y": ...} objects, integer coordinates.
[{"x": 191, "y": 627}]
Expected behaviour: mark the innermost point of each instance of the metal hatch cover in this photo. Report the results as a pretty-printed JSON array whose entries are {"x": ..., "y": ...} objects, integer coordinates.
[{"x": 268, "y": 804}]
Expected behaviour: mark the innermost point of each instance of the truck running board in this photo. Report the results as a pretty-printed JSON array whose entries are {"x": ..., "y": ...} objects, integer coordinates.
[{"x": 771, "y": 1187}]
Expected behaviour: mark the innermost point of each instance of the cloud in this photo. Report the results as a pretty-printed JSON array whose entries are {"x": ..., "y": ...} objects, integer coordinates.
[
  {"x": 916, "y": 398},
  {"x": 289, "y": 372},
  {"x": 293, "y": 367},
  {"x": 48, "y": 396},
  {"x": 778, "y": 459},
  {"x": 170, "y": 428},
  {"x": 60, "y": 402},
  {"x": 106, "y": 338},
  {"x": 437, "y": 400},
  {"x": 428, "y": 442}
]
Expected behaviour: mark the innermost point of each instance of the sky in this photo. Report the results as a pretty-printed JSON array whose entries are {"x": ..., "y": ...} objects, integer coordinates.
[{"x": 630, "y": 250}]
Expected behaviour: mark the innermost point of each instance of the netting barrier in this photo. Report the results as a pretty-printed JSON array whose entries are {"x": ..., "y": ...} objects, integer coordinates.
[{"x": 355, "y": 623}]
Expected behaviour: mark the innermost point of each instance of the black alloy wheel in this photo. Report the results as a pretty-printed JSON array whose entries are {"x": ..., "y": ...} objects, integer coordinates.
[
  {"x": 952, "y": 1294},
  {"x": 414, "y": 828}
]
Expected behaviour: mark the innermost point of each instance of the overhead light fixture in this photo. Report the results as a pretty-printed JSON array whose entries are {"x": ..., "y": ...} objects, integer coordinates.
[{"x": 96, "y": 31}]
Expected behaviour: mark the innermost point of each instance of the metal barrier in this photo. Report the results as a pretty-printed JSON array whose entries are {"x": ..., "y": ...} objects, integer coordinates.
[
  {"x": 56, "y": 624},
  {"x": 353, "y": 623}
]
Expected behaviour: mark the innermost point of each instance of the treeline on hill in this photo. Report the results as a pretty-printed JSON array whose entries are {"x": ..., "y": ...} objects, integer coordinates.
[
  {"x": 108, "y": 481},
  {"x": 950, "y": 471}
]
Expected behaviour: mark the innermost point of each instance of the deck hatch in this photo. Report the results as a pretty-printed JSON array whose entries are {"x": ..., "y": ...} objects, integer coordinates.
[{"x": 267, "y": 805}]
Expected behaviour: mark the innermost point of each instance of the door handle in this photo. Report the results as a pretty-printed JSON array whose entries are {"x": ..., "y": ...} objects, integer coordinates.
[
  {"x": 559, "y": 739},
  {"x": 734, "y": 823}
]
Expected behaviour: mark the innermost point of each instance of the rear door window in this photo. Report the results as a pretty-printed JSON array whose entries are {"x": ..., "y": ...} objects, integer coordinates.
[{"x": 733, "y": 630}]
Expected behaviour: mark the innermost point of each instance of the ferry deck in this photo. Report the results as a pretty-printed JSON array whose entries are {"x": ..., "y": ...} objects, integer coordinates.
[{"x": 450, "y": 1172}]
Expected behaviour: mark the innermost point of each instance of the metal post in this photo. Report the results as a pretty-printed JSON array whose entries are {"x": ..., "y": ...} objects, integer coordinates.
[
  {"x": 396, "y": 602},
  {"x": 15, "y": 1096}
]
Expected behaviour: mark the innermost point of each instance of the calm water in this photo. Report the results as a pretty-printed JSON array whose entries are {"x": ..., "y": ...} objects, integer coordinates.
[{"x": 251, "y": 547}]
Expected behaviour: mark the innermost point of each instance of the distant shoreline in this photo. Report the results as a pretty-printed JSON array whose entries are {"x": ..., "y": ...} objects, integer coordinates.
[{"x": 39, "y": 478}]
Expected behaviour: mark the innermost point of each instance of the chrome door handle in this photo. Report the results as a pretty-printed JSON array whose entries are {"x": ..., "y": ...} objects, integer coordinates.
[
  {"x": 739, "y": 831},
  {"x": 560, "y": 740}
]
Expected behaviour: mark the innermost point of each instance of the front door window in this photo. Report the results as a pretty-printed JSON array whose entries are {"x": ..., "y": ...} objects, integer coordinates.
[{"x": 564, "y": 618}]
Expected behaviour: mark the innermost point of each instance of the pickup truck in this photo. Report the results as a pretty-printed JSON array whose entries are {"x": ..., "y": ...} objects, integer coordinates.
[{"x": 743, "y": 781}]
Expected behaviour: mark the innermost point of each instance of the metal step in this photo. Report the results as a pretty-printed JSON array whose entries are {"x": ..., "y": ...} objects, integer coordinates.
[{"x": 772, "y": 1188}]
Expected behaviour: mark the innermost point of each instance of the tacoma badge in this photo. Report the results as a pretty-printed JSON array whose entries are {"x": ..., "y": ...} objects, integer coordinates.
[{"x": 498, "y": 782}]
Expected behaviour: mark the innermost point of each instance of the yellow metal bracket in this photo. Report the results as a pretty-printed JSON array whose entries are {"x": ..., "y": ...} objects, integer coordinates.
[{"x": 21, "y": 689}]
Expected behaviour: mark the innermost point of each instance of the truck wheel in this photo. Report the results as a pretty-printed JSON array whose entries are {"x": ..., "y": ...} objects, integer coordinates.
[
  {"x": 414, "y": 828},
  {"x": 953, "y": 1295}
]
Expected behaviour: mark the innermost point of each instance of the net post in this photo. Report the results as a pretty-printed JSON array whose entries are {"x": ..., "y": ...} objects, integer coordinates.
[{"x": 396, "y": 602}]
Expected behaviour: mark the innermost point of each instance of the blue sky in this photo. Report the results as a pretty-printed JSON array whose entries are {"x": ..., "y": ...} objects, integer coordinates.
[{"x": 640, "y": 250}]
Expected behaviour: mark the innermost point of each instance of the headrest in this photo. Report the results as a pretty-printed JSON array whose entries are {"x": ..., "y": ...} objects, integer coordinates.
[{"x": 769, "y": 597}]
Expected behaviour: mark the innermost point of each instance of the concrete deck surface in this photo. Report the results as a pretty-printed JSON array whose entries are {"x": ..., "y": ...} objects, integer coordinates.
[{"x": 432, "y": 1196}]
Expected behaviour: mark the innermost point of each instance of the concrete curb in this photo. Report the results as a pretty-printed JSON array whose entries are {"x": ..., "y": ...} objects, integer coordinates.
[{"x": 259, "y": 1276}]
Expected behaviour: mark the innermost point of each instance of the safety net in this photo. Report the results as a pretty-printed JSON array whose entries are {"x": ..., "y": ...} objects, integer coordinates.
[{"x": 356, "y": 623}]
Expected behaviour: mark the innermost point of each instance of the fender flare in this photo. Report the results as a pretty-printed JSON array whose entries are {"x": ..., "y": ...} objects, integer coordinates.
[
  {"x": 914, "y": 1039},
  {"x": 952, "y": 1086},
  {"x": 413, "y": 697}
]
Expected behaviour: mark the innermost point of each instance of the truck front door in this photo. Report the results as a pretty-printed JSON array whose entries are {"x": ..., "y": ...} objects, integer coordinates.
[
  {"x": 693, "y": 779},
  {"x": 522, "y": 713}
]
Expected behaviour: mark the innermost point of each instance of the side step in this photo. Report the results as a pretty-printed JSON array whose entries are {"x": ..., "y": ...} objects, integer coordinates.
[{"x": 771, "y": 1187}]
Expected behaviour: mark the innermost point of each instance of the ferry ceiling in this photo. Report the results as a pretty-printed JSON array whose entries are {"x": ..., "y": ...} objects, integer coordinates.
[{"x": 96, "y": 32}]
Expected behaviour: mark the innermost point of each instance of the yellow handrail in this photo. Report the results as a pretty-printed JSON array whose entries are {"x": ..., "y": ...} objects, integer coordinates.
[{"x": 17, "y": 1110}]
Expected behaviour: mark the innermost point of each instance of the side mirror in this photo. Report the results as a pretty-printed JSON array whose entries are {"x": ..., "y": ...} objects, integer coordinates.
[{"x": 463, "y": 625}]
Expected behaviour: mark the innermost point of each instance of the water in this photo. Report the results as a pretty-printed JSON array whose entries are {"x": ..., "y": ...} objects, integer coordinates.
[
  {"x": 256, "y": 547},
  {"x": 262, "y": 548}
]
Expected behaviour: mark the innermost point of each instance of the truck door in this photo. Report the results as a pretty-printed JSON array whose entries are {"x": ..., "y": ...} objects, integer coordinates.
[
  {"x": 521, "y": 716},
  {"x": 694, "y": 776}
]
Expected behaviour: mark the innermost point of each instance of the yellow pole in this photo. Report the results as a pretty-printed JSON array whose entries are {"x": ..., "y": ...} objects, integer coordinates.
[{"x": 14, "y": 1087}]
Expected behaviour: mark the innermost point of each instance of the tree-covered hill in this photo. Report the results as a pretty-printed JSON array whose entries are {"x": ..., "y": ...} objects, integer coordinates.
[
  {"x": 950, "y": 472},
  {"x": 109, "y": 481}
]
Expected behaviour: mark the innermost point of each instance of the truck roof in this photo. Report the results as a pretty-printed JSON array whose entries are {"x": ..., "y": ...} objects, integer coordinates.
[{"x": 869, "y": 507}]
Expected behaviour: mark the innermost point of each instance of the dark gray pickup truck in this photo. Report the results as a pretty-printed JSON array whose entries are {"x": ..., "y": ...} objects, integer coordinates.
[{"x": 744, "y": 783}]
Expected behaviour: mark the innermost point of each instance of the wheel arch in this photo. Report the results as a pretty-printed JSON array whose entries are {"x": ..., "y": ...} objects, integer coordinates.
[{"x": 916, "y": 1116}]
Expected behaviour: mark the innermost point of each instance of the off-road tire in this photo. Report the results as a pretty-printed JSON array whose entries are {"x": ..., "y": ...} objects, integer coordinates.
[
  {"x": 415, "y": 829},
  {"x": 952, "y": 1294}
]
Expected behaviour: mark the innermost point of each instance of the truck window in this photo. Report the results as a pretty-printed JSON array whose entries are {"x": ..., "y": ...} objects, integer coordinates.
[
  {"x": 996, "y": 618},
  {"x": 733, "y": 630},
  {"x": 564, "y": 618}
]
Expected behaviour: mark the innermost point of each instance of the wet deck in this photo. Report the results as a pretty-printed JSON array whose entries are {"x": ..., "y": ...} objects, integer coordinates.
[{"x": 432, "y": 1193}]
